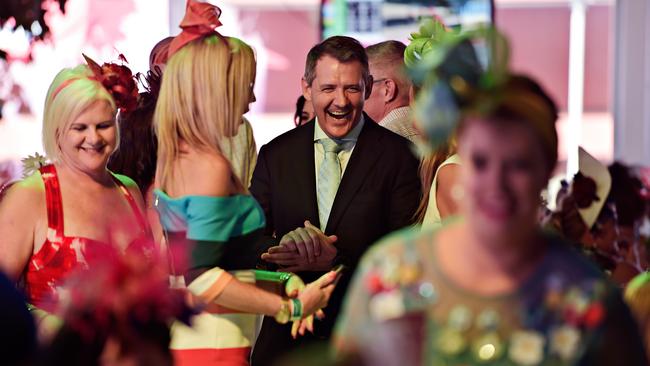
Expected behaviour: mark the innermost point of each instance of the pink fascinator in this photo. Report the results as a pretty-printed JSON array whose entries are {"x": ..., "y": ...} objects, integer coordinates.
[
  {"x": 158, "y": 56},
  {"x": 200, "y": 20}
]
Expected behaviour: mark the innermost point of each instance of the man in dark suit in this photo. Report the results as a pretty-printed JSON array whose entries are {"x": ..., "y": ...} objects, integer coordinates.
[{"x": 331, "y": 187}]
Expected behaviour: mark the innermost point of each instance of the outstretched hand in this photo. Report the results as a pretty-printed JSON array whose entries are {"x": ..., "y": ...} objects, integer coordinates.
[
  {"x": 303, "y": 249},
  {"x": 313, "y": 298}
]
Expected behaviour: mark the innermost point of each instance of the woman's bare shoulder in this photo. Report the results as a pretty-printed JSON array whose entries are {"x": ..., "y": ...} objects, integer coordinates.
[
  {"x": 448, "y": 173},
  {"x": 24, "y": 199},
  {"x": 27, "y": 190},
  {"x": 207, "y": 174}
]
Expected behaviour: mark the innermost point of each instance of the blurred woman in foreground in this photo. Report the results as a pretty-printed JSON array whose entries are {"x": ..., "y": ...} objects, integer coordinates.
[{"x": 490, "y": 287}]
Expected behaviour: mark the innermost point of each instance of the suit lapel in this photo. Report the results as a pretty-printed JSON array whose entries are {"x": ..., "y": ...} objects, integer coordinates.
[
  {"x": 362, "y": 161},
  {"x": 305, "y": 176}
]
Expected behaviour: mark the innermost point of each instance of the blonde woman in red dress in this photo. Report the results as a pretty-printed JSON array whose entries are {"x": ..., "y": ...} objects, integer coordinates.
[{"x": 55, "y": 219}]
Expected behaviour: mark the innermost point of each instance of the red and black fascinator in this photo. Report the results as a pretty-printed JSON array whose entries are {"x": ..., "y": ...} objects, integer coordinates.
[{"x": 118, "y": 80}]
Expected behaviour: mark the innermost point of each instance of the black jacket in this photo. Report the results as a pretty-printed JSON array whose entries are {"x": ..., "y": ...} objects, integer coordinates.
[{"x": 379, "y": 193}]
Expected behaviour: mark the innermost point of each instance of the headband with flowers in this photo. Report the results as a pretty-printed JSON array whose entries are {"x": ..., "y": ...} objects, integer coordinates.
[{"x": 118, "y": 80}]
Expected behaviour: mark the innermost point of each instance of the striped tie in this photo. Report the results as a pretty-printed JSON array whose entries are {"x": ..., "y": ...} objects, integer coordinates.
[{"x": 329, "y": 177}]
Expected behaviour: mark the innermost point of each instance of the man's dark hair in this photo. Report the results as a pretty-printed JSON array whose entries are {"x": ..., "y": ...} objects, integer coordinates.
[
  {"x": 300, "y": 105},
  {"x": 344, "y": 49}
]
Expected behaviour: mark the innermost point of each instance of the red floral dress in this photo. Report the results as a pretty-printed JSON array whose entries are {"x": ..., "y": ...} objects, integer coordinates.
[{"x": 59, "y": 255}]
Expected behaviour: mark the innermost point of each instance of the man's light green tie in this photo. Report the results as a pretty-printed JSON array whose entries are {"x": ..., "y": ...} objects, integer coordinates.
[{"x": 329, "y": 177}]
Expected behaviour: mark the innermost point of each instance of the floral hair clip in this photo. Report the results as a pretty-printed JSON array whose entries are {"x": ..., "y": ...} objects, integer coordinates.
[
  {"x": 118, "y": 80},
  {"x": 32, "y": 163}
]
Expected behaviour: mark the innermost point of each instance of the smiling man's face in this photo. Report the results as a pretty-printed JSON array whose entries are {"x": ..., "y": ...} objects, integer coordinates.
[{"x": 337, "y": 94}]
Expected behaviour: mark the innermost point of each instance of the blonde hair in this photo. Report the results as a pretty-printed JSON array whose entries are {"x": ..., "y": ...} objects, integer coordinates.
[
  {"x": 72, "y": 91},
  {"x": 428, "y": 168},
  {"x": 205, "y": 90}
]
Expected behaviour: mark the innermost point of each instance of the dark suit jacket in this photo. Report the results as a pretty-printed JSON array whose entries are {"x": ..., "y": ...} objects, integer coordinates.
[{"x": 379, "y": 193}]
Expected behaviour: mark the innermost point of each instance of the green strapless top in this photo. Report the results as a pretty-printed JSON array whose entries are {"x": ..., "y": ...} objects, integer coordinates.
[{"x": 209, "y": 218}]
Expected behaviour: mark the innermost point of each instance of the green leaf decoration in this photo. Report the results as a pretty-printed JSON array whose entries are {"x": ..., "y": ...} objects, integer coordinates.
[{"x": 456, "y": 73}]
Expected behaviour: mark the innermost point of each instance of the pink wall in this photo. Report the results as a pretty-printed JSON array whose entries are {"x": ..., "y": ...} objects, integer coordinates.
[
  {"x": 540, "y": 47},
  {"x": 539, "y": 40},
  {"x": 291, "y": 34},
  {"x": 599, "y": 58}
]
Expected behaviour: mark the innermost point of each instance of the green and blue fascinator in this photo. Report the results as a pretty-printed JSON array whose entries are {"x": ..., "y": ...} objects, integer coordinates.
[{"x": 455, "y": 72}]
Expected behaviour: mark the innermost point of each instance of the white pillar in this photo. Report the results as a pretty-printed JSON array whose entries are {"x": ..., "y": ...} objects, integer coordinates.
[
  {"x": 576, "y": 83},
  {"x": 632, "y": 82}
]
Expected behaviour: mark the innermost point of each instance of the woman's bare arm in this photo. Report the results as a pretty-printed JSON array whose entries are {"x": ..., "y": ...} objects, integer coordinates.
[
  {"x": 248, "y": 298},
  {"x": 21, "y": 208},
  {"x": 447, "y": 180}
]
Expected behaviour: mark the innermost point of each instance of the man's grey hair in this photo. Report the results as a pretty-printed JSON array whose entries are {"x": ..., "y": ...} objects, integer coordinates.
[{"x": 389, "y": 55}]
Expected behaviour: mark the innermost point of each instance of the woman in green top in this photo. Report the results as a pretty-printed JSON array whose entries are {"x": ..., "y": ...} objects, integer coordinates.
[
  {"x": 204, "y": 207},
  {"x": 489, "y": 288}
]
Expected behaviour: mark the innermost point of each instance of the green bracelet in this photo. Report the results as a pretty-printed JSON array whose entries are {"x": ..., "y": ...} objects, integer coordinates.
[
  {"x": 280, "y": 277},
  {"x": 296, "y": 313}
]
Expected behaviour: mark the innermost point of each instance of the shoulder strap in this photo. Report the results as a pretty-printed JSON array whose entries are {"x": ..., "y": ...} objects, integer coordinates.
[
  {"x": 53, "y": 199},
  {"x": 134, "y": 206},
  {"x": 4, "y": 188},
  {"x": 454, "y": 159}
]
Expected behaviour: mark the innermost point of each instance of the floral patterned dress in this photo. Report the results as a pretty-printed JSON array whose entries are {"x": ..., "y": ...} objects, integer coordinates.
[{"x": 402, "y": 310}]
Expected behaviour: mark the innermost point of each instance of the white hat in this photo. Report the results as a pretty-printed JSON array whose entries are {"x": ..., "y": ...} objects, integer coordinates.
[{"x": 594, "y": 169}]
